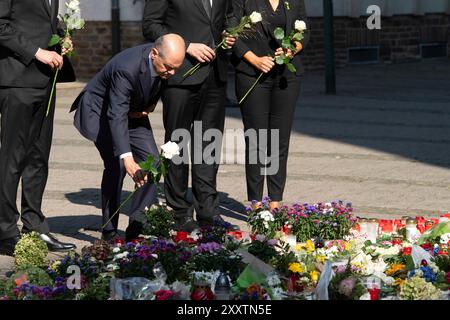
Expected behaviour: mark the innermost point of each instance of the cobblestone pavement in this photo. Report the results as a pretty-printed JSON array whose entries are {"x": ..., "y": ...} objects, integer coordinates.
[{"x": 382, "y": 143}]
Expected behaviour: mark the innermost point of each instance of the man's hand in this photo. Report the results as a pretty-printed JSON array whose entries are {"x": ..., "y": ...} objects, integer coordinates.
[
  {"x": 135, "y": 171},
  {"x": 67, "y": 46},
  {"x": 142, "y": 114},
  {"x": 51, "y": 58},
  {"x": 201, "y": 52},
  {"x": 229, "y": 40}
]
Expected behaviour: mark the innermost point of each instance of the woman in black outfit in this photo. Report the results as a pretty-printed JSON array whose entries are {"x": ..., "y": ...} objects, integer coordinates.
[{"x": 272, "y": 103}]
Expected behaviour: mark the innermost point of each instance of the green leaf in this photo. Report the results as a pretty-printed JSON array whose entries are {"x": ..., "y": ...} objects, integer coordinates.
[
  {"x": 287, "y": 60},
  {"x": 298, "y": 36},
  {"x": 286, "y": 43},
  {"x": 291, "y": 68},
  {"x": 54, "y": 40},
  {"x": 278, "y": 33},
  {"x": 279, "y": 59},
  {"x": 148, "y": 164}
]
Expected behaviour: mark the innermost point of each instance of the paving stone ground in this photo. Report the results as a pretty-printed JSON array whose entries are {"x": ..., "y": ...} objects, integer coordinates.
[{"x": 383, "y": 143}]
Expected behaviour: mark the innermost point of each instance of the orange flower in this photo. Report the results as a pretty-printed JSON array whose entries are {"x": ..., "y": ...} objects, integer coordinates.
[
  {"x": 21, "y": 280},
  {"x": 394, "y": 268}
]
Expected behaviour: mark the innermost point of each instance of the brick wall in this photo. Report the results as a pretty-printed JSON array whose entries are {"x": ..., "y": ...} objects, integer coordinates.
[{"x": 398, "y": 40}]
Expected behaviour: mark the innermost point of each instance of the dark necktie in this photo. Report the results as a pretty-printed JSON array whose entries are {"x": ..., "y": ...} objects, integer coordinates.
[{"x": 207, "y": 6}]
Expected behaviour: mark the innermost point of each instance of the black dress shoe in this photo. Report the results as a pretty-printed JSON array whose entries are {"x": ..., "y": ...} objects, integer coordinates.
[
  {"x": 186, "y": 224},
  {"x": 109, "y": 235},
  {"x": 133, "y": 230},
  {"x": 218, "y": 221},
  {"x": 8, "y": 245},
  {"x": 54, "y": 244}
]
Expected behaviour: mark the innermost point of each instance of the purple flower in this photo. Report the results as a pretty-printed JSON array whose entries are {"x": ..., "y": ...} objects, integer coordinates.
[
  {"x": 272, "y": 242},
  {"x": 260, "y": 238}
]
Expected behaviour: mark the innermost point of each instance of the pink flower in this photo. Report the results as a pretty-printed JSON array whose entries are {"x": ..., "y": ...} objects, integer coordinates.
[{"x": 346, "y": 286}]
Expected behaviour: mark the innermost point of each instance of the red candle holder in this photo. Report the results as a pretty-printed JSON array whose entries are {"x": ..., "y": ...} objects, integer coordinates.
[{"x": 374, "y": 293}]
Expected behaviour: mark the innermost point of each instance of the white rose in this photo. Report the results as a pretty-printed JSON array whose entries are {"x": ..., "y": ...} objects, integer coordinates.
[
  {"x": 170, "y": 149},
  {"x": 116, "y": 250},
  {"x": 74, "y": 5},
  {"x": 300, "y": 25},
  {"x": 255, "y": 17},
  {"x": 75, "y": 23}
]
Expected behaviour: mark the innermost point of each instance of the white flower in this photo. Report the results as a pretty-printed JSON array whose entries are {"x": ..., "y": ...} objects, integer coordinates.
[
  {"x": 75, "y": 22},
  {"x": 255, "y": 17},
  {"x": 445, "y": 238},
  {"x": 112, "y": 267},
  {"x": 73, "y": 5},
  {"x": 116, "y": 250},
  {"x": 170, "y": 149},
  {"x": 300, "y": 25},
  {"x": 365, "y": 296}
]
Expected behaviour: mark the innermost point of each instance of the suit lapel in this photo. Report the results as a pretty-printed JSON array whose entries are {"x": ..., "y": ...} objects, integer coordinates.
[
  {"x": 261, "y": 9},
  {"x": 46, "y": 5},
  {"x": 289, "y": 17},
  {"x": 145, "y": 77},
  {"x": 54, "y": 15},
  {"x": 199, "y": 4}
]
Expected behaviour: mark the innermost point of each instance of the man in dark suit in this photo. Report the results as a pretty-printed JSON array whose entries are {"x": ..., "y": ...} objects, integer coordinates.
[
  {"x": 199, "y": 97},
  {"x": 26, "y": 65},
  {"x": 112, "y": 111}
]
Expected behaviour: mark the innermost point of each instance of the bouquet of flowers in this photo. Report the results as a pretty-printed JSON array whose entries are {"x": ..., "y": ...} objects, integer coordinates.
[
  {"x": 72, "y": 21},
  {"x": 157, "y": 221},
  {"x": 288, "y": 43},
  {"x": 244, "y": 28}
]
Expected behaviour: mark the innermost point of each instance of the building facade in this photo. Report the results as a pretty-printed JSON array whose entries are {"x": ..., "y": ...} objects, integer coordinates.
[{"x": 410, "y": 30}]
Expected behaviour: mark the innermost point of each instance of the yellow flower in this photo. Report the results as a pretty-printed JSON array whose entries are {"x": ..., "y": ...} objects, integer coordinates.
[
  {"x": 394, "y": 268},
  {"x": 398, "y": 282},
  {"x": 314, "y": 276},
  {"x": 321, "y": 258},
  {"x": 55, "y": 265},
  {"x": 347, "y": 246},
  {"x": 295, "y": 267},
  {"x": 299, "y": 247},
  {"x": 310, "y": 246}
]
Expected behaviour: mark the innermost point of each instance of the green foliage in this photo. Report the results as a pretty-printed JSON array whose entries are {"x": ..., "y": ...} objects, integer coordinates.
[
  {"x": 98, "y": 289},
  {"x": 443, "y": 262},
  {"x": 157, "y": 221},
  {"x": 54, "y": 40},
  {"x": 263, "y": 251},
  {"x": 31, "y": 251}
]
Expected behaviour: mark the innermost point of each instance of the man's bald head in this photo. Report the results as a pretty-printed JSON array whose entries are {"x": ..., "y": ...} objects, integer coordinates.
[{"x": 168, "y": 54}]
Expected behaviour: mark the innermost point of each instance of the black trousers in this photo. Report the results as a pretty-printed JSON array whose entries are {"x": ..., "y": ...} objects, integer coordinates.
[
  {"x": 26, "y": 136},
  {"x": 270, "y": 106},
  {"x": 142, "y": 144},
  {"x": 182, "y": 106}
]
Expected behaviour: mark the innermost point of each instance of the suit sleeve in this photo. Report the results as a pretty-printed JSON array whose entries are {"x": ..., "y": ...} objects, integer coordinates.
[
  {"x": 13, "y": 40},
  {"x": 119, "y": 106},
  {"x": 239, "y": 48},
  {"x": 303, "y": 16},
  {"x": 153, "y": 22}
]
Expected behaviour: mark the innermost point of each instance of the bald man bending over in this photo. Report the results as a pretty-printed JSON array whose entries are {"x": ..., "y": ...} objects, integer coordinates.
[{"x": 112, "y": 111}]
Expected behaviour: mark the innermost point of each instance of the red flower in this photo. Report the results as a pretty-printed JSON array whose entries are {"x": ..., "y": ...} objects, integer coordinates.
[
  {"x": 447, "y": 277},
  {"x": 163, "y": 294},
  {"x": 119, "y": 242},
  {"x": 407, "y": 251}
]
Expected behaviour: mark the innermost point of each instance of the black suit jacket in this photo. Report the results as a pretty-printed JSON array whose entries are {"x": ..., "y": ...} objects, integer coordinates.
[
  {"x": 258, "y": 43},
  {"x": 25, "y": 26},
  {"x": 124, "y": 84},
  {"x": 189, "y": 19}
]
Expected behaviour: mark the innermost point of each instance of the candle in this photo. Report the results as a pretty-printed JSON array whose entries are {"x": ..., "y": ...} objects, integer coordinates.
[{"x": 291, "y": 239}]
